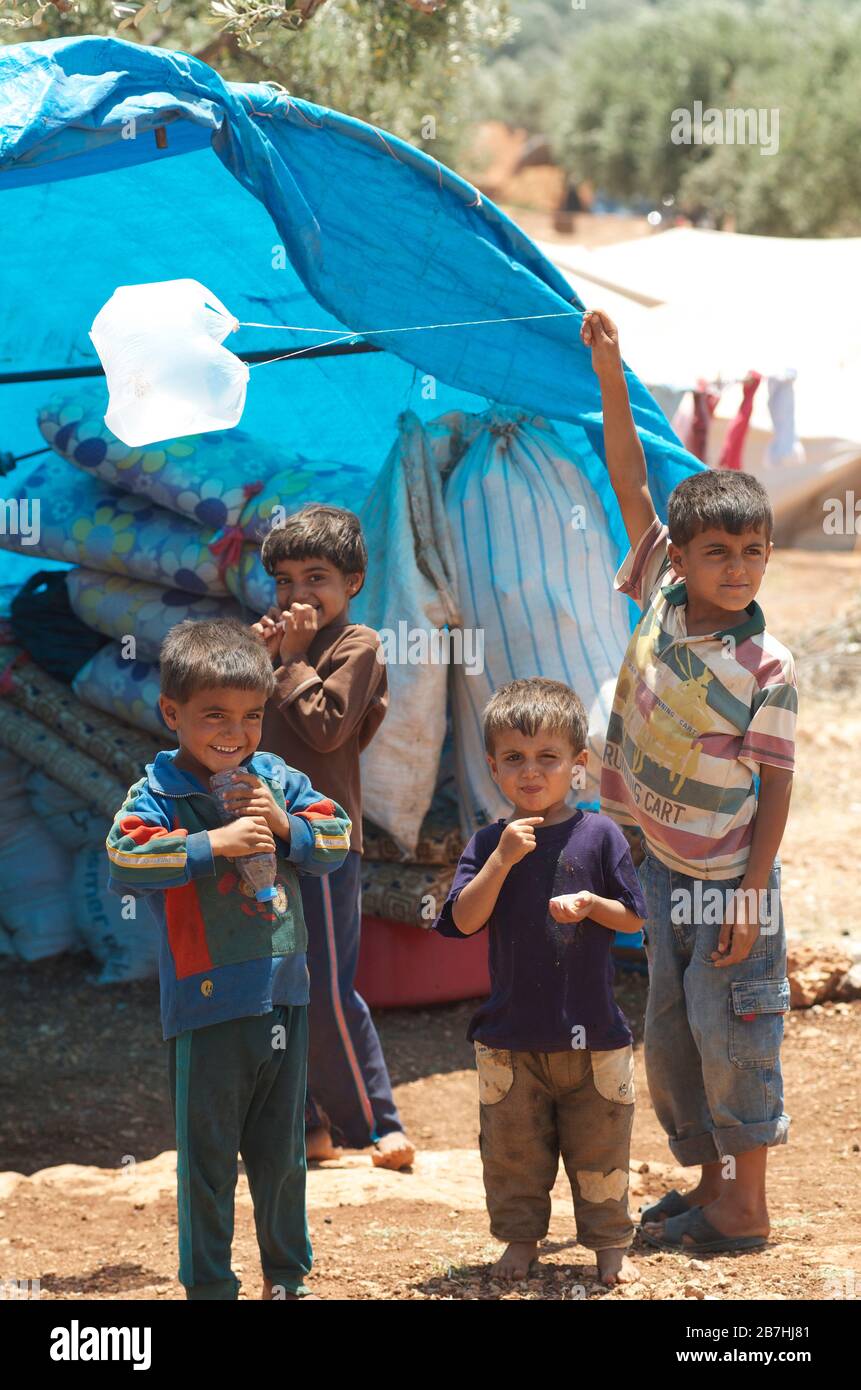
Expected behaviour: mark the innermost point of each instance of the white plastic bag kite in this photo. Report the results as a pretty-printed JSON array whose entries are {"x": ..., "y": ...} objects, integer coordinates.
[{"x": 167, "y": 373}]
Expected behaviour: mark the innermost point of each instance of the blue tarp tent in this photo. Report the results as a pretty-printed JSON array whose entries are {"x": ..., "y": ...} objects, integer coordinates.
[{"x": 122, "y": 164}]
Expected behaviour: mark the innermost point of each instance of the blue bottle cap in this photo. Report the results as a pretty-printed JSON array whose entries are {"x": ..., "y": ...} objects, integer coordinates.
[{"x": 265, "y": 895}]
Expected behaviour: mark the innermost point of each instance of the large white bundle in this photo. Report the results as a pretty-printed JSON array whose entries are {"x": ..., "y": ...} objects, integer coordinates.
[
  {"x": 535, "y": 572},
  {"x": 409, "y": 596},
  {"x": 62, "y": 814},
  {"x": 35, "y": 907},
  {"x": 121, "y": 934}
]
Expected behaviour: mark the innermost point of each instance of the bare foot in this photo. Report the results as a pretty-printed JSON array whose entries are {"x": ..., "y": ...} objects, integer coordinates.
[
  {"x": 515, "y": 1260},
  {"x": 614, "y": 1267},
  {"x": 319, "y": 1146},
  {"x": 285, "y": 1297},
  {"x": 393, "y": 1151}
]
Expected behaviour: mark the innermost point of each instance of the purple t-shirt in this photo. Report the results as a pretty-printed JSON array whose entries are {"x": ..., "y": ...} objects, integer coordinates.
[{"x": 547, "y": 978}]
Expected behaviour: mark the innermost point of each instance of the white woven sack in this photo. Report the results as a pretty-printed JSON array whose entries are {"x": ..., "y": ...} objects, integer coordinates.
[
  {"x": 535, "y": 569},
  {"x": 409, "y": 595}
]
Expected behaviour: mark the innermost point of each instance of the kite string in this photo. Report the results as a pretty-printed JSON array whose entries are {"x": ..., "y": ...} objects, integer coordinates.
[
  {"x": 329, "y": 342},
  {"x": 365, "y": 332}
]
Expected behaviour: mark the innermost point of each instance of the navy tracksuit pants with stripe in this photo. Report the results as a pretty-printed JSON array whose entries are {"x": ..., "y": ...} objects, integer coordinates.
[{"x": 347, "y": 1074}]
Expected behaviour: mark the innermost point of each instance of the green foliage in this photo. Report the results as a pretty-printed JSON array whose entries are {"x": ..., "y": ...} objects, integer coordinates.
[
  {"x": 600, "y": 81},
  {"x": 605, "y": 98},
  {"x": 406, "y": 65},
  {"x": 408, "y": 72}
]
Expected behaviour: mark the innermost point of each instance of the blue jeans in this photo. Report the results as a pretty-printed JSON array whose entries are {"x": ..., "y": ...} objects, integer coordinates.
[{"x": 713, "y": 1035}]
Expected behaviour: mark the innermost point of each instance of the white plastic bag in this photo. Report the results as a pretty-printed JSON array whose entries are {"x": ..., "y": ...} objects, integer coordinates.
[{"x": 167, "y": 373}]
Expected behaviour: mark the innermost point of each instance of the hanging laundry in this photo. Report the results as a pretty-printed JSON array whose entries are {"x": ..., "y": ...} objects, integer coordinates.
[
  {"x": 684, "y": 416},
  {"x": 706, "y": 398},
  {"x": 669, "y": 398},
  {"x": 730, "y": 456},
  {"x": 785, "y": 446}
]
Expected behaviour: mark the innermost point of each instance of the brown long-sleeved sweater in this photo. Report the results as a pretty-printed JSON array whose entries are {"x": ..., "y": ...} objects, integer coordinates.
[{"x": 327, "y": 708}]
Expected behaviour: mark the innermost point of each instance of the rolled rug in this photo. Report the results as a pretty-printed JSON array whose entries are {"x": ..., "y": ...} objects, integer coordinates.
[
  {"x": 118, "y": 747},
  {"x": 33, "y": 742}
]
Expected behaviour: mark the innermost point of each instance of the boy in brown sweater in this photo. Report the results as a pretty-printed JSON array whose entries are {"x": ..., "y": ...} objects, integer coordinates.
[{"x": 331, "y": 697}]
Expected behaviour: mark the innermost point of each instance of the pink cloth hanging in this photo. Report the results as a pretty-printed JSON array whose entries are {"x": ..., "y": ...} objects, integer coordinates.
[
  {"x": 730, "y": 455},
  {"x": 705, "y": 403}
]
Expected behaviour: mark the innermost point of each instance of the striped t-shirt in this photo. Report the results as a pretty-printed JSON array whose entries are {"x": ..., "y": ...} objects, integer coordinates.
[{"x": 693, "y": 718}]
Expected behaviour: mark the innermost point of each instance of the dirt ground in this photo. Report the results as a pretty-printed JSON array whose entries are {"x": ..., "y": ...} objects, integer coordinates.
[{"x": 87, "y": 1201}]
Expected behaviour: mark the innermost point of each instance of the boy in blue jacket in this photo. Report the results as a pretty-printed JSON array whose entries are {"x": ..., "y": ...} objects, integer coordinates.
[{"x": 234, "y": 983}]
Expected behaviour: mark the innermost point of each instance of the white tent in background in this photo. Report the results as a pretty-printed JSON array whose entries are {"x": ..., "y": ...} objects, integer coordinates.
[{"x": 696, "y": 304}]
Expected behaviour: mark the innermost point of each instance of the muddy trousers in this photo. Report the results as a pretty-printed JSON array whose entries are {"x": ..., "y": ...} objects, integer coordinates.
[
  {"x": 239, "y": 1088},
  {"x": 347, "y": 1074},
  {"x": 538, "y": 1105}
]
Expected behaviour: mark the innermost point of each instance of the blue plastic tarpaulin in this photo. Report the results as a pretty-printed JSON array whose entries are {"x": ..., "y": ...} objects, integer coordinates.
[{"x": 121, "y": 164}]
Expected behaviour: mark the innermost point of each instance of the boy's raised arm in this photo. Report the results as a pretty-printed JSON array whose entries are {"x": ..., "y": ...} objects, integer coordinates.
[{"x": 626, "y": 462}]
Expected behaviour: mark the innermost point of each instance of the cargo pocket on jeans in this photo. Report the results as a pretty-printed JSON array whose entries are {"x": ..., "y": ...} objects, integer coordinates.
[
  {"x": 756, "y": 1022},
  {"x": 613, "y": 1074},
  {"x": 495, "y": 1073}
]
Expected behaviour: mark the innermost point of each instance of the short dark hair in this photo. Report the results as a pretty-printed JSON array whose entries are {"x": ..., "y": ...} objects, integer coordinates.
[
  {"x": 533, "y": 704},
  {"x": 219, "y": 652},
  {"x": 733, "y": 502},
  {"x": 333, "y": 533}
]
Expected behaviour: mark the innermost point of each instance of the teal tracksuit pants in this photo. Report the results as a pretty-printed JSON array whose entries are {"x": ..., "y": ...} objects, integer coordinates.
[{"x": 239, "y": 1088}]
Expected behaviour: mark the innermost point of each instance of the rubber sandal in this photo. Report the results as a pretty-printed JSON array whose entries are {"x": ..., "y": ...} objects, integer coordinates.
[
  {"x": 707, "y": 1239},
  {"x": 671, "y": 1204}
]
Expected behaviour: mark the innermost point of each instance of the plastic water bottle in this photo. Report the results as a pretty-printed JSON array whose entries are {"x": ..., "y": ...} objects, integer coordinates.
[{"x": 258, "y": 870}]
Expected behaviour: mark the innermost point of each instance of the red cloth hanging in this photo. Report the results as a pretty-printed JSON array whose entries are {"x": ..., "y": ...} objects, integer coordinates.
[
  {"x": 705, "y": 404},
  {"x": 730, "y": 456}
]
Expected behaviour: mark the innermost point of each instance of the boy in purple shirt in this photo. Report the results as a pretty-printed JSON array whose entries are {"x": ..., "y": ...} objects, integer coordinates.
[{"x": 553, "y": 1051}]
